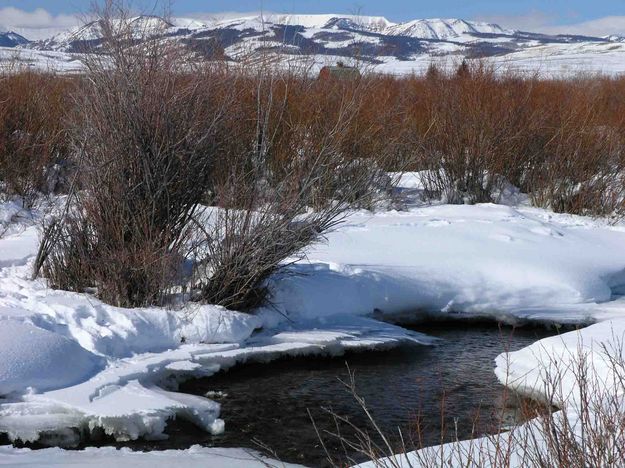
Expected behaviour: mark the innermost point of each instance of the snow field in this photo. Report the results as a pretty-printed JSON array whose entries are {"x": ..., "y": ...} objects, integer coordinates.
[
  {"x": 511, "y": 263},
  {"x": 494, "y": 261}
]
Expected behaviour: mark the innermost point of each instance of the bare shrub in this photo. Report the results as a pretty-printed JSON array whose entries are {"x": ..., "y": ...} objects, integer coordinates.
[
  {"x": 561, "y": 142},
  {"x": 580, "y": 169},
  {"x": 155, "y": 135},
  {"x": 32, "y": 133},
  {"x": 475, "y": 138},
  {"x": 589, "y": 429},
  {"x": 143, "y": 132},
  {"x": 289, "y": 185}
]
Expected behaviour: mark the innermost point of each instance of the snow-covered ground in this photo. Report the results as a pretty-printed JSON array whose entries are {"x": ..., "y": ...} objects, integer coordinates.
[
  {"x": 195, "y": 457},
  {"x": 71, "y": 364},
  {"x": 551, "y": 61},
  {"x": 544, "y": 61},
  {"x": 58, "y": 62},
  {"x": 513, "y": 264}
]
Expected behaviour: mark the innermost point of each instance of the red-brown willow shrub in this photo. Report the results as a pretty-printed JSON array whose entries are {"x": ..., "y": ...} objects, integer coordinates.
[
  {"x": 473, "y": 133},
  {"x": 143, "y": 137},
  {"x": 291, "y": 172},
  {"x": 32, "y": 132},
  {"x": 559, "y": 141},
  {"x": 470, "y": 133},
  {"x": 580, "y": 164}
]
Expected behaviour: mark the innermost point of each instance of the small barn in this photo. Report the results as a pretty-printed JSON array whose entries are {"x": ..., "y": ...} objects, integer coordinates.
[{"x": 339, "y": 71}]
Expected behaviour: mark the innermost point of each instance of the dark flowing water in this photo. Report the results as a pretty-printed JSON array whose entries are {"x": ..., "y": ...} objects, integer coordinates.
[{"x": 269, "y": 404}]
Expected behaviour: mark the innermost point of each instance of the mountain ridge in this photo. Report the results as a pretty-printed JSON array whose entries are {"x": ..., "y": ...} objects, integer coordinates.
[
  {"x": 429, "y": 28},
  {"x": 12, "y": 39},
  {"x": 395, "y": 47}
]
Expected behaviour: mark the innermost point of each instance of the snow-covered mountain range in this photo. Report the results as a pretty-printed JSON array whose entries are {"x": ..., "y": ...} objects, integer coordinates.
[
  {"x": 304, "y": 34},
  {"x": 394, "y": 47}
]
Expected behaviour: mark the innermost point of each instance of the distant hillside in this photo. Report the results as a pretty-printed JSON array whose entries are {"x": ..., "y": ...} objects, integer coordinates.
[{"x": 12, "y": 39}]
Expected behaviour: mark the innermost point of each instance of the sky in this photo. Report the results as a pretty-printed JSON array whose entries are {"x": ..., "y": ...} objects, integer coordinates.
[{"x": 597, "y": 17}]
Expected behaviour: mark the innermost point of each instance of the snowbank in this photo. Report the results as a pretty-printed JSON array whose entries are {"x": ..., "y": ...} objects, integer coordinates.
[
  {"x": 194, "y": 457},
  {"x": 486, "y": 260},
  {"x": 32, "y": 357},
  {"x": 550, "y": 365},
  {"x": 115, "y": 332},
  {"x": 127, "y": 400},
  {"x": 597, "y": 347}
]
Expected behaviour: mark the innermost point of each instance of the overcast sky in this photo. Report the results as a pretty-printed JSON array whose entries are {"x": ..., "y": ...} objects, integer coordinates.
[{"x": 593, "y": 17}]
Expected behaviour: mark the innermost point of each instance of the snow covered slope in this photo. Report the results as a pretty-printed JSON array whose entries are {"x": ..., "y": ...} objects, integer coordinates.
[
  {"x": 11, "y": 39},
  {"x": 372, "y": 23},
  {"x": 444, "y": 29},
  {"x": 40, "y": 60},
  {"x": 83, "y": 37}
]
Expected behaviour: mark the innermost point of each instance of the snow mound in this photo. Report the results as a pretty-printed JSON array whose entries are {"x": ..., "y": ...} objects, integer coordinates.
[
  {"x": 116, "y": 332},
  {"x": 487, "y": 261},
  {"x": 105, "y": 457},
  {"x": 598, "y": 346},
  {"x": 32, "y": 357},
  {"x": 112, "y": 332}
]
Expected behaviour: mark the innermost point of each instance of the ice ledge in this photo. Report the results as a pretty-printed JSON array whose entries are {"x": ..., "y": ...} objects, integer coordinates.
[{"x": 135, "y": 397}]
